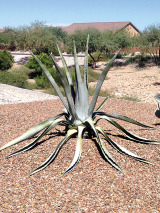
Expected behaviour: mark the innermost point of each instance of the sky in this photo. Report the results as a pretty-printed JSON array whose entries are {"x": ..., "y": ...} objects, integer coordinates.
[{"x": 16, "y": 13}]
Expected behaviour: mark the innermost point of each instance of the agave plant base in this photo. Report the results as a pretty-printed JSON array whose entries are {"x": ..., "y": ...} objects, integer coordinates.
[{"x": 79, "y": 117}]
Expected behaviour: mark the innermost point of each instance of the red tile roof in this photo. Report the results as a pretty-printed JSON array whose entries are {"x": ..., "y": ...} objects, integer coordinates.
[
  {"x": 2, "y": 30},
  {"x": 101, "y": 26}
]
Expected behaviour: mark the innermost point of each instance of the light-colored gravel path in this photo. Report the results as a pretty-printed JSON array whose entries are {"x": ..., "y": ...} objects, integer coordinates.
[
  {"x": 124, "y": 81},
  {"x": 10, "y": 95},
  {"x": 142, "y": 84}
]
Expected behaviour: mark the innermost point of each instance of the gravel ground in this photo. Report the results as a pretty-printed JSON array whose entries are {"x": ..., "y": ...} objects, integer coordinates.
[
  {"x": 10, "y": 95},
  {"x": 127, "y": 81},
  {"x": 93, "y": 185}
]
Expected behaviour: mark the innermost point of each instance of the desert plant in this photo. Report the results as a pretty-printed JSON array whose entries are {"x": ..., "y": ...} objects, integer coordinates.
[
  {"x": 23, "y": 70},
  {"x": 6, "y": 60},
  {"x": 42, "y": 81},
  {"x": 44, "y": 58},
  {"x": 80, "y": 117},
  {"x": 14, "y": 79},
  {"x": 157, "y": 112}
]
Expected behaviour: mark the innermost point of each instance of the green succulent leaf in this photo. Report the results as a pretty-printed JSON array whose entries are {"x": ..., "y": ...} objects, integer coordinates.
[
  {"x": 107, "y": 155},
  {"x": 104, "y": 150},
  {"x": 31, "y": 132},
  {"x": 157, "y": 97},
  {"x": 78, "y": 150},
  {"x": 69, "y": 77},
  {"x": 123, "y": 118},
  {"x": 101, "y": 106},
  {"x": 81, "y": 103},
  {"x": 32, "y": 144},
  {"x": 86, "y": 69},
  {"x": 67, "y": 90},
  {"x": 129, "y": 134},
  {"x": 56, "y": 151},
  {"x": 99, "y": 84},
  {"x": 52, "y": 81},
  {"x": 121, "y": 149}
]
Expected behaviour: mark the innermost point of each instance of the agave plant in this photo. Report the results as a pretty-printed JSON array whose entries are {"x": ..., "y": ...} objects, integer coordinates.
[
  {"x": 157, "y": 112},
  {"x": 79, "y": 116}
]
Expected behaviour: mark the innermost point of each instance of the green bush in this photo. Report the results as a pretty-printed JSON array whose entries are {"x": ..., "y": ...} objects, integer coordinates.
[
  {"x": 44, "y": 58},
  {"x": 131, "y": 60},
  {"x": 141, "y": 60},
  {"x": 99, "y": 57},
  {"x": 6, "y": 60},
  {"x": 21, "y": 70},
  {"x": 92, "y": 76},
  {"x": 14, "y": 79},
  {"x": 42, "y": 81}
]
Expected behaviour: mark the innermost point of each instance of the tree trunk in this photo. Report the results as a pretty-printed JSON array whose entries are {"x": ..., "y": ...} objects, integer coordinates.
[{"x": 94, "y": 61}]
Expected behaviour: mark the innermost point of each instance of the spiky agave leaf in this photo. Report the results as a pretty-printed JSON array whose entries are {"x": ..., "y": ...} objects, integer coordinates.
[
  {"x": 52, "y": 81},
  {"x": 81, "y": 101},
  {"x": 100, "y": 107},
  {"x": 121, "y": 117},
  {"x": 121, "y": 149},
  {"x": 52, "y": 157},
  {"x": 31, "y": 132},
  {"x": 99, "y": 84},
  {"x": 128, "y": 133},
  {"x": 86, "y": 70},
  {"x": 68, "y": 75},
  {"x": 104, "y": 150},
  {"x": 67, "y": 89},
  {"x": 78, "y": 150},
  {"x": 33, "y": 143}
]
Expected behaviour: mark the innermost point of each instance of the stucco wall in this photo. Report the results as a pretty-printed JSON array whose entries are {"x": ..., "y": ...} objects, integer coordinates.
[{"x": 131, "y": 30}]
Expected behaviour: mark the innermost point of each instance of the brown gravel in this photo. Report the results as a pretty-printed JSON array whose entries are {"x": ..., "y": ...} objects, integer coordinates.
[{"x": 93, "y": 185}]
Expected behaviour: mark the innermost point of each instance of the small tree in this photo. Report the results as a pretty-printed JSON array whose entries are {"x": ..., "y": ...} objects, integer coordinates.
[
  {"x": 80, "y": 38},
  {"x": 149, "y": 42},
  {"x": 7, "y": 39},
  {"x": 101, "y": 43},
  {"x": 112, "y": 41},
  {"x": 6, "y": 60}
]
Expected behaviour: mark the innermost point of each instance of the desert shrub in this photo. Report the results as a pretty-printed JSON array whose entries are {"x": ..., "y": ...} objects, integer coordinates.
[
  {"x": 6, "y": 60},
  {"x": 21, "y": 70},
  {"x": 99, "y": 57},
  {"x": 143, "y": 60},
  {"x": 141, "y": 64},
  {"x": 92, "y": 76},
  {"x": 42, "y": 81},
  {"x": 120, "y": 55},
  {"x": 140, "y": 60},
  {"x": 14, "y": 79},
  {"x": 44, "y": 58},
  {"x": 131, "y": 60}
]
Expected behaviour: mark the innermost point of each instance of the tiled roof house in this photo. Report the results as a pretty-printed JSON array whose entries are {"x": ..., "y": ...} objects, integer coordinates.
[
  {"x": 103, "y": 26},
  {"x": 2, "y": 30}
]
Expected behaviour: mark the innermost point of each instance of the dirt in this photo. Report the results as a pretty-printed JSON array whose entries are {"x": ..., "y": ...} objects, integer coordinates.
[{"x": 128, "y": 81}]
